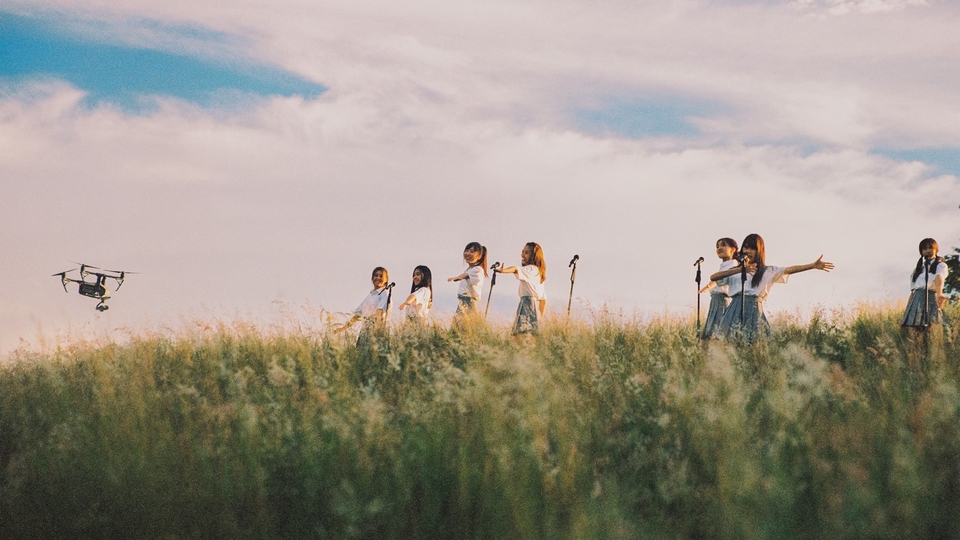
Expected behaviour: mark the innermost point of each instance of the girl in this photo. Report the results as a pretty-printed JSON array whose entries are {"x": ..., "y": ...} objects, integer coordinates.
[
  {"x": 373, "y": 309},
  {"x": 421, "y": 295},
  {"x": 749, "y": 295},
  {"x": 926, "y": 288},
  {"x": 719, "y": 297},
  {"x": 469, "y": 293},
  {"x": 533, "y": 296}
]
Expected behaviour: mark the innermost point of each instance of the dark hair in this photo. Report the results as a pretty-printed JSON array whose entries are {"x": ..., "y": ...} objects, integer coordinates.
[
  {"x": 924, "y": 244},
  {"x": 482, "y": 261},
  {"x": 386, "y": 275},
  {"x": 427, "y": 281},
  {"x": 537, "y": 259},
  {"x": 730, "y": 242},
  {"x": 755, "y": 241}
]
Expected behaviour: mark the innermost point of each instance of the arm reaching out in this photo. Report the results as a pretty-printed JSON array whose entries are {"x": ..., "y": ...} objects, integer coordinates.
[{"x": 818, "y": 264}]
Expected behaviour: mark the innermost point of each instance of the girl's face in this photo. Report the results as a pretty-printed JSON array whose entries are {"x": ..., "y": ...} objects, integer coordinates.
[
  {"x": 928, "y": 252},
  {"x": 725, "y": 252},
  {"x": 526, "y": 255},
  {"x": 417, "y": 278},
  {"x": 750, "y": 252},
  {"x": 379, "y": 280},
  {"x": 471, "y": 256}
]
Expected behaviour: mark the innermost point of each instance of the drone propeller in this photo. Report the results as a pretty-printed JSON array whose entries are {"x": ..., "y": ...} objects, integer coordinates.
[{"x": 63, "y": 278}]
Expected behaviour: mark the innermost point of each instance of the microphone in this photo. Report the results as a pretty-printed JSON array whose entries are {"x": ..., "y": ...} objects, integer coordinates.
[
  {"x": 391, "y": 285},
  {"x": 700, "y": 260},
  {"x": 573, "y": 261},
  {"x": 495, "y": 266}
]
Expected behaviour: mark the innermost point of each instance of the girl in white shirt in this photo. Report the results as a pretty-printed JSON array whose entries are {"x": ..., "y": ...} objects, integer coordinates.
[
  {"x": 533, "y": 297},
  {"x": 471, "y": 281},
  {"x": 750, "y": 322},
  {"x": 373, "y": 309},
  {"x": 421, "y": 295},
  {"x": 719, "y": 297},
  {"x": 926, "y": 288}
]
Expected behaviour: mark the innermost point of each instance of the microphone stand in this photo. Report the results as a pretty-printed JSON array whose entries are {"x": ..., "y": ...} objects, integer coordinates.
[
  {"x": 697, "y": 264},
  {"x": 573, "y": 277},
  {"x": 743, "y": 287},
  {"x": 926, "y": 293},
  {"x": 493, "y": 281},
  {"x": 386, "y": 314}
]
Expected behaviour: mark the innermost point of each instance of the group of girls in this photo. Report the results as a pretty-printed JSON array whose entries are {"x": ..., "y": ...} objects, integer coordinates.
[
  {"x": 531, "y": 274},
  {"x": 743, "y": 281}
]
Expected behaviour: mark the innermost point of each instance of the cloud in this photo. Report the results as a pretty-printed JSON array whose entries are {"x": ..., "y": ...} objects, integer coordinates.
[
  {"x": 442, "y": 126},
  {"x": 132, "y": 74},
  {"x": 844, "y": 7}
]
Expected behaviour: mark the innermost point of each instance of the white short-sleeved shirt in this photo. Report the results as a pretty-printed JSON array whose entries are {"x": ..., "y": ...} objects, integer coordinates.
[
  {"x": 473, "y": 284},
  {"x": 420, "y": 307},
  {"x": 377, "y": 299},
  {"x": 921, "y": 280},
  {"x": 723, "y": 285},
  {"x": 530, "y": 285},
  {"x": 773, "y": 274}
]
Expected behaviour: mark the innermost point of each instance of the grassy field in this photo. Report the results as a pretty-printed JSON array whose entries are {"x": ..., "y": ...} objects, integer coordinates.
[{"x": 837, "y": 427}]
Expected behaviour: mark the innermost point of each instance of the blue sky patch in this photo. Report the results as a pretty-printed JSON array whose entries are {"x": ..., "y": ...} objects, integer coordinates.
[
  {"x": 113, "y": 72},
  {"x": 946, "y": 160},
  {"x": 645, "y": 117}
]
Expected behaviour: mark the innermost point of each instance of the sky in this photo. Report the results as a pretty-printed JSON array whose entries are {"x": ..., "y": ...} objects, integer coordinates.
[{"x": 255, "y": 160}]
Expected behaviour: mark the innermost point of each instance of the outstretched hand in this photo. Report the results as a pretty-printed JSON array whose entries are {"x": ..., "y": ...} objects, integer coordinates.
[{"x": 821, "y": 264}]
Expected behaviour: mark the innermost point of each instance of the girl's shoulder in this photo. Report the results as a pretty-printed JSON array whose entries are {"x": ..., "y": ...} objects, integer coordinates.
[{"x": 726, "y": 265}]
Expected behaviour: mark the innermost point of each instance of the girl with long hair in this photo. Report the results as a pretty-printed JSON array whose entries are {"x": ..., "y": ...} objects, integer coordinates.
[
  {"x": 421, "y": 295},
  {"x": 531, "y": 274},
  {"x": 372, "y": 311},
  {"x": 926, "y": 288}
]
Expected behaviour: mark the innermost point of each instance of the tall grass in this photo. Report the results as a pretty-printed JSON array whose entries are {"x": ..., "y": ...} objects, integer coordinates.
[{"x": 835, "y": 427}]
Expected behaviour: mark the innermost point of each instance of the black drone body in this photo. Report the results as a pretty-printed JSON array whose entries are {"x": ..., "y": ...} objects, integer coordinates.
[{"x": 97, "y": 287}]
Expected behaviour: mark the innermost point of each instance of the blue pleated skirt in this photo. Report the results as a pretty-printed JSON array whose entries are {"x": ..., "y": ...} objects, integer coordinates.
[
  {"x": 754, "y": 324},
  {"x": 718, "y": 306},
  {"x": 527, "y": 321},
  {"x": 466, "y": 305},
  {"x": 914, "y": 314}
]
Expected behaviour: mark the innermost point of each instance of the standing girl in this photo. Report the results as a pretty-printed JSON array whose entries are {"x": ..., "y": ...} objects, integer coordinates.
[
  {"x": 926, "y": 288},
  {"x": 719, "y": 297},
  {"x": 373, "y": 309},
  {"x": 749, "y": 286},
  {"x": 533, "y": 297},
  {"x": 421, "y": 295},
  {"x": 471, "y": 281}
]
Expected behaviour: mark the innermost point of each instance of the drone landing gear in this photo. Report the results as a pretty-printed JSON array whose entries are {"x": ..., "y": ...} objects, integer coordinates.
[{"x": 102, "y": 307}]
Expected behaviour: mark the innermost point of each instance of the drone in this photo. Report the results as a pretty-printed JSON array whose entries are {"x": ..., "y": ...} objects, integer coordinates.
[{"x": 96, "y": 288}]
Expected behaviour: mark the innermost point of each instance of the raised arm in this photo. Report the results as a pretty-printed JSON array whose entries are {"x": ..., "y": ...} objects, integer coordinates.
[
  {"x": 508, "y": 270},
  {"x": 717, "y": 276},
  {"x": 818, "y": 264},
  {"x": 461, "y": 277}
]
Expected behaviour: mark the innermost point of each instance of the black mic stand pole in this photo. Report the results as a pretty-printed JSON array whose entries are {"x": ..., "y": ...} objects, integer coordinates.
[
  {"x": 743, "y": 287},
  {"x": 573, "y": 277},
  {"x": 386, "y": 314},
  {"x": 493, "y": 281},
  {"x": 697, "y": 264},
  {"x": 926, "y": 293}
]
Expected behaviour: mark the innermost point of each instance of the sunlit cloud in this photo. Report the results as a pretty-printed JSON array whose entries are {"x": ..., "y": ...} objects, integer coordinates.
[{"x": 632, "y": 135}]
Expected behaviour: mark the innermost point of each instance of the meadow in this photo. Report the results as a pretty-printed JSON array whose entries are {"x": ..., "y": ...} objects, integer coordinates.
[{"x": 838, "y": 427}]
